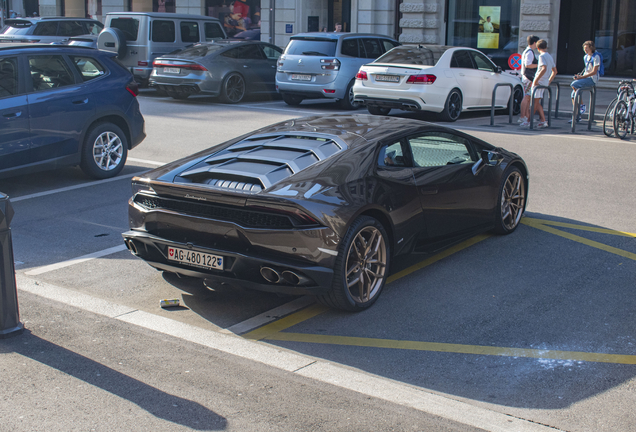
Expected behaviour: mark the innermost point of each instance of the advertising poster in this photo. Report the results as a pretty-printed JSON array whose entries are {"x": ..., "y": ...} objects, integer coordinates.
[
  {"x": 240, "y": 19},
  {"x": 488, "y": 30}
]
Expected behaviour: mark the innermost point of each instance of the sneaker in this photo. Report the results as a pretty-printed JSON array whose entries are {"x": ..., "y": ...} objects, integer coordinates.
[
  {"x": 542, "y": 125},
  {"x": 578, "y": 119},
  {"x": 525, "y": 124},
  {"x": 583, "y": 108},
  {"x": 522, "y": 119}
]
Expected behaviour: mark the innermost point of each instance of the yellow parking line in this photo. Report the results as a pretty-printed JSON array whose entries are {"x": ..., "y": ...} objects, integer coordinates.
[
  {"x": 583, "y": 240},
  {"x": 455, "y": 348},
  {"x": 577, "y": 227}
]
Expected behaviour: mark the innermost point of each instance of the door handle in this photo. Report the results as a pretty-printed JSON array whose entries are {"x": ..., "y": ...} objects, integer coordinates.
[
  {"x": 428, "y": 191},
  {"x": 80, "y": 101},
  {"x": 13, "y": 114}
]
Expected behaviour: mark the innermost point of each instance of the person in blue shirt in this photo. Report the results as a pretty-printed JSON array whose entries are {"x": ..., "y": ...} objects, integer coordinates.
[{"x": 589, "y": 77}]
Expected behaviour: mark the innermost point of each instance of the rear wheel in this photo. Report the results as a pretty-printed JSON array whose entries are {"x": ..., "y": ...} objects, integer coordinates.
[
  {"x": 608, "y": 120},
  {"x": 622, "y": 121},
  {"x": 376, "y": 110},
  {"x": 105, "y": 151},
  {"x": 233, "y": 88},
  {"x": 511, "y": 202},
  {"x": 453, "y": 106},
  {"x": 361, "y": 268},
  {"x": 348, "y": 103},
  {"x": 517, "y": 97},
  {"x": 292, "y": 100}
]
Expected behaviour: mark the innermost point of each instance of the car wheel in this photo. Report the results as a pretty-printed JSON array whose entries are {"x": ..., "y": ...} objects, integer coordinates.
[
  {"x": 511, "y": 202},
  {"x": 516, "y": 101},
  {"x": 292, "y": 100},
  {"x": 348, "y": 102},
  {"x": 376, "y": 110},
  {"x": 361, "y": 268},
  {"x": 105, "y": 151},
  {"x": 233, "y": 89},
  {"x": 453, "y": 106}
]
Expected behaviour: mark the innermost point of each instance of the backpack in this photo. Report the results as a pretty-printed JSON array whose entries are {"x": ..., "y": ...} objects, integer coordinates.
[{"x": 601, "y": 69}]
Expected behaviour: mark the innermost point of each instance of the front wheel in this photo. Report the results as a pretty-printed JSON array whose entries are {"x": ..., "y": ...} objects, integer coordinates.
[
  {"x": 511, "y": 202},
  {"x": 376, "y": 110},
  {"x": 622, "y": 120},
  {"x": 361, "y": 268},
  {"x": 233, "y": 89},
  {"x": 453, "y": 106},
  {"x": 104, "y": 152},
  {"x": 608, "y": 120}
]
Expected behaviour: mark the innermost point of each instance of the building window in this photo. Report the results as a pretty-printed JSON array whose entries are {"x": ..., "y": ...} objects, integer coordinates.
[{"x": 236, "y": 16}]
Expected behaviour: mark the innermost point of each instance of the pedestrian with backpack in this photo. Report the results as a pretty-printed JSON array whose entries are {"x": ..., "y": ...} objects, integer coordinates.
[{"x": 589, "y": 77}]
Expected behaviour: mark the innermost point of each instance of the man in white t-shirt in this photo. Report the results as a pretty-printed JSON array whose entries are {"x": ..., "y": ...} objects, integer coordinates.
[
  {"x": 589, "y": 77},
  {"x": 488, "y": 28},
  {"x": 545, "y": 74},
  {"x": 529, "y": 65}
]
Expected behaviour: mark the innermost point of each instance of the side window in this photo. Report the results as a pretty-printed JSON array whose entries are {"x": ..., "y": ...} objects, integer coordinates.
[
  {"x": 372, "y": 48},
  {"x": 189, "y": 31},
  {"x": 163, "y": 31},
  {"x": 461, "y": 59},
  {"x": 440, "y": 148},
  {"x": 93, "y": 28},
  {"x": 272, "y": 52},
  {"x": 88, "y": 67},
  {"x": 8, "y": 76},
  {"x": 70, "y": 28},
  {"x": 482, "y": 62},
  {"x": 47, "y": 28},
  {"x": 232, "y": 53},
  {"x": 350, "y": 48},
  {"x": 389, "y": 44},
  {"x": 250, "y": 52},
  {"x": 213, "y": 31},
  {"x": 392, "y": 155},
  {"x": 49, "y": 71}
]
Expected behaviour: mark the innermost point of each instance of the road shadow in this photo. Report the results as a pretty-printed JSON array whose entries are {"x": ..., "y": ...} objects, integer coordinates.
[{"x": 156, "y": 402}]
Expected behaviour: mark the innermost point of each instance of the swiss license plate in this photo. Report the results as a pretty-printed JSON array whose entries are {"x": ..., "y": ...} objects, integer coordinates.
[
  {"x": 195, "y": 259},
  {"x": 387, "y": 78},
  {"x": 299, "y": 77},
  {"x": 172, "y": 70}
]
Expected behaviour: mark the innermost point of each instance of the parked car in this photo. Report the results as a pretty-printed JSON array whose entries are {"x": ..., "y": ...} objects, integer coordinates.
[
  {"x": 140, "y": 37},
  {"x": 324, "y": 65},
  {"x": 64, "y": 105},
  {"x": 48, "y": 29},
  {"x": 441, "y": 79},
  {"x": 228, "y": 69},
  {"x": 321, "y": 205}
]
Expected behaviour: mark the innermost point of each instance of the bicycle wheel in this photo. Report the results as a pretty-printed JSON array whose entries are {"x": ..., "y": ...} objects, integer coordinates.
[
  {"x": 622, "y": 120},
  {"x": 608, "y": 120}
]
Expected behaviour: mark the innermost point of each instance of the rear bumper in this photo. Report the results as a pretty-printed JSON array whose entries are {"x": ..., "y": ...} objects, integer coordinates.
[
  {"x": 403, "y": 104},
  {"x": 312, "y": 91}
]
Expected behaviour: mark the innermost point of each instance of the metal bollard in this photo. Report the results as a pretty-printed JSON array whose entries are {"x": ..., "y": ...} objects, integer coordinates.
[{"x": 10, "y": 324}]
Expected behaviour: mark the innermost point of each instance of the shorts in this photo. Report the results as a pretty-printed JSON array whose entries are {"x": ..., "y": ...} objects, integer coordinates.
[
  {"x": 527, "y": 86},
  {"x": 538, "y": 94},
  {"x": 584, "y": 83}
]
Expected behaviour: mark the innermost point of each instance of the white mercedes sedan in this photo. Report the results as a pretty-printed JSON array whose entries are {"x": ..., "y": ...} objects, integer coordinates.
[{"x": 440, "y": 79}]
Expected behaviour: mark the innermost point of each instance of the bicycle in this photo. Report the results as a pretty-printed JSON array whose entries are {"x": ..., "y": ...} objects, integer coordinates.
[
  {"x": 625, "y": 89},
  {"x": 625, "y": 116}
]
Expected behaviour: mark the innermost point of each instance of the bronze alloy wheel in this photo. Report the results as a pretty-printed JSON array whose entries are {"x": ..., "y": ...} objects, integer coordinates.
[
  {"x": 108, "y": 151},
  {"x": 513, "y": 200},
  {"x": 366, "y": 264}
]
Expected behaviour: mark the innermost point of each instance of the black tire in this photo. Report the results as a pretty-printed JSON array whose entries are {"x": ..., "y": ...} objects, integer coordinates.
[
  {"x": 105, "y": 151},
  {"x": 348, "y": 103},
  {"x": 233, "y": 88},
  {"x": 292, "y": 100},
  {"x": 511, "y": 202},
  {"x": 349, "y": 292},
  {"x": 622, "y": 120},
  {"x": 452, "y": 107},
  {"x": 516, "y": 100},
  {"x": 376, "y": 110},
  {"x": 608, "y": 120}
]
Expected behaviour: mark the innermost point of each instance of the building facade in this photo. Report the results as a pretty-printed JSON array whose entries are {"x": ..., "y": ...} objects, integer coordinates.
[{"x": 497, "y": 27}]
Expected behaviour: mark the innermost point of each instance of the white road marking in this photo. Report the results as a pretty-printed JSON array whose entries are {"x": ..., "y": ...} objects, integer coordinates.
[
  {"x": 84, "y": 258},
  {"x": 146, "y": 161},
  {"x": 292, "y": 362},
  {"x": 270, "y": 315}
]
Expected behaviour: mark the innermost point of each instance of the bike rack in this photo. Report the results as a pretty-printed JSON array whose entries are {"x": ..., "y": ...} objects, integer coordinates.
[
  {"x": 577, "y": 106},
  {"x": 534, "y": 90},
  {"x": 510, "y": 102},
  {"x": 558, "y": 94}
]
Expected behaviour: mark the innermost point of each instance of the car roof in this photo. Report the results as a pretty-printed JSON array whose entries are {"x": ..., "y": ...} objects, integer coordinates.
[
  {"x": 335, "y": 36},
  {"x": 18, "y": 46},
  {"x": 163, "y": 15},
  {"x": 33, "y": 20}
]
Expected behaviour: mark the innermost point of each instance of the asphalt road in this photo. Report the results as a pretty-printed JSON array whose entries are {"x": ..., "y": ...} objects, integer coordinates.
[{"x": 538, "y": 325}]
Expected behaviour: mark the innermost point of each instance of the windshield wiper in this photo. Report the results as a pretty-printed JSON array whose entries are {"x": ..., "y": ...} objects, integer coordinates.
[{"x": 315, "y": 53}]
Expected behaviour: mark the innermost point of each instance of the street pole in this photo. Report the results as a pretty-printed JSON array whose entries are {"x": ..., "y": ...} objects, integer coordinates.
[{"x": 10, "y": 324}]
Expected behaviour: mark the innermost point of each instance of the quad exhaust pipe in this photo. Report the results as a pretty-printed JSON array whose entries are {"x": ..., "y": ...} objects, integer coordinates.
[
  {"x": 273, "y": 276},
  {"x": 293, "y": 278},
  {"x": 270, "y": 275},
  {"x": 131, "y": 247}
]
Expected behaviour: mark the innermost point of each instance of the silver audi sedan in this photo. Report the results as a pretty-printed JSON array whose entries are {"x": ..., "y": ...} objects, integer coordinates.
[{"x": 228, "y": 69}]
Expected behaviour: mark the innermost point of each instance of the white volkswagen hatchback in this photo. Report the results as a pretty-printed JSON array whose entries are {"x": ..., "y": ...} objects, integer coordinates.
[{"x": 441, "y": 79}]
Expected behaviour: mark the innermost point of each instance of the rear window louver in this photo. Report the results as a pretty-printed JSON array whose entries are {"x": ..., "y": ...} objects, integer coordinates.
[{"x": 257, "y": 163}]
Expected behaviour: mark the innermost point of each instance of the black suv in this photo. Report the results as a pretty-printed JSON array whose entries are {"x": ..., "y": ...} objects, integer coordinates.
[{"x": 48, "y": 29}]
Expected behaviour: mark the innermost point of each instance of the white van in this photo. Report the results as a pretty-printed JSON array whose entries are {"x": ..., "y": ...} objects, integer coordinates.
[{"x": 140, "y": 37}]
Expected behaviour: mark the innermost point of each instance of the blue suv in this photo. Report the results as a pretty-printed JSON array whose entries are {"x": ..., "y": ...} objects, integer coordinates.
[{"x": 66, "y": 105}]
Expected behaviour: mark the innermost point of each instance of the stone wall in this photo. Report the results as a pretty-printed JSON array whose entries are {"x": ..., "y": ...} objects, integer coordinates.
[
  {"x": 422, "y": 22},
  {"x": 539, "y": 18},
  {"x": 375, "y": 16}
]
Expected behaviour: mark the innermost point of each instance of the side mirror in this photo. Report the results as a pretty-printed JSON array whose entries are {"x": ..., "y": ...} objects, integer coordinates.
[
  {"x": 499, "y": 69},
  {"x": 487, "y": 158}
]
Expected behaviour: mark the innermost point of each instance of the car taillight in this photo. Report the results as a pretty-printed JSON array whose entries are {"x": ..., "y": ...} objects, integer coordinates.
[
  {"x": 133, "y": 88},
  {"x": 330, "y": 64},
  {"x": 280, "y": 62},
  {"x": 362, "y": 75},
  {"x": 188, "y": 66},
  {"x": 421, "y": 79}
]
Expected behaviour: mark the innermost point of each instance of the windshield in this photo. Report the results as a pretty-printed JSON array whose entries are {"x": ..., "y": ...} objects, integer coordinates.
[
  {"x": 16, "y": 27},
  {"x": 198, "y": 51},
  {"x": 129, "y": 26},
  {"x": 317, "y": 47},
  {"x": 413, "y": 55}
]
